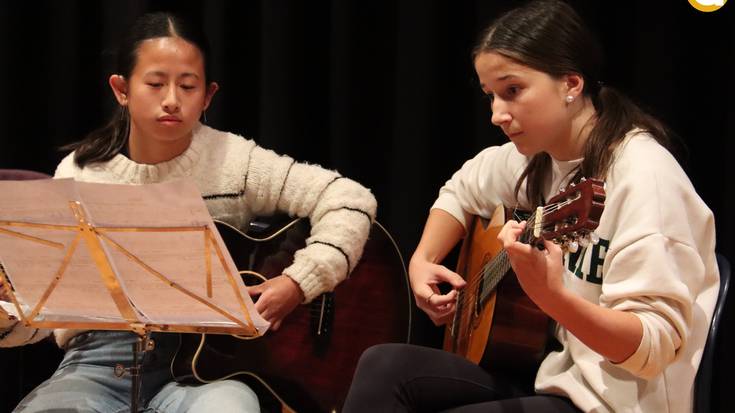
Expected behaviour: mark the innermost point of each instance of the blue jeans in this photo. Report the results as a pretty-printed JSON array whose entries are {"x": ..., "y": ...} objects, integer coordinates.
[{"x": 85, "y": 381}]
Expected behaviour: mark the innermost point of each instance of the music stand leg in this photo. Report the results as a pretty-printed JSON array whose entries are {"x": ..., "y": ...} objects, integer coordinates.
[{"x": 140, "y": 347}]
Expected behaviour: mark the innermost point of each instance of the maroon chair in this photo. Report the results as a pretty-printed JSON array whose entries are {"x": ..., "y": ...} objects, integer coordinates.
[{"x": 21, "y": 175}]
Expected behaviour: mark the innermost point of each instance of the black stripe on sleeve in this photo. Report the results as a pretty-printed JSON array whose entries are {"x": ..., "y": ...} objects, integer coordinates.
[
  {"x": 283, "y": 185},
  {"x": 226, "y": 195},
  {"x": 344, "y": 254},
  {"x": 244, "y": 183},
  {"x": 318, "y": 198},
  {"x": 360, "y": 211}
]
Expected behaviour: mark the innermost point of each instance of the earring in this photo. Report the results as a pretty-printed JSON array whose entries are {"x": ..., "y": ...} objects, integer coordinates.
[
  {"x": 204, "y": 115},
  {"x": 570, "y": 98}
]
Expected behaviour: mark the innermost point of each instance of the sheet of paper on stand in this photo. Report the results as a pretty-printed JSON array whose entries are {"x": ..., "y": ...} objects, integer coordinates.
[{"x": 78, "y": 252}]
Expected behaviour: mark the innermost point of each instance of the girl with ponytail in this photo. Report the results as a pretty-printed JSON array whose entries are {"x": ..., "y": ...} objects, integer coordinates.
[{"x": 630, "y": 313}]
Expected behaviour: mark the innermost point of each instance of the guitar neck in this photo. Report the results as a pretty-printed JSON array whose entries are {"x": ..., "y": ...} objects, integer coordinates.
[
  {"x": 492, "y": 273},
  {"x": 518, "y": 334}
]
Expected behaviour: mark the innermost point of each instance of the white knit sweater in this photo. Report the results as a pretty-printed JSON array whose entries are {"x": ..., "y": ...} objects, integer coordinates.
[{"x": 239, "y": 181}]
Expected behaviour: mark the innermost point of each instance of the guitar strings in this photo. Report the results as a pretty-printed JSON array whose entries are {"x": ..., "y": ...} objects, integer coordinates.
[{"x": 491, "y": 273}]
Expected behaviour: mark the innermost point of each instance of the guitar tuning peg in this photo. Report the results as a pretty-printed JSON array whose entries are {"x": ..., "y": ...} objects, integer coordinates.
[
  {"x": 561, "y": 189},
  {"x": 573, "y": 246},
  {"x": 594, "y": 238},
  {"x": 582, "y": 179}
]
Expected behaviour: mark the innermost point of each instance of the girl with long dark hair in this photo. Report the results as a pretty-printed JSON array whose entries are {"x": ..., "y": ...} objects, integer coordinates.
[{"x": 632, "y": 312}]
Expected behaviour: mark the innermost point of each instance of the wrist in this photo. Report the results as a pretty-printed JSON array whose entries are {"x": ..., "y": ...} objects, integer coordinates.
[
  {"x": 298, "y": 292},
  {"x": 421, "y": 258},
  {"x": 415, "y": 265},
  {"x": 557, "y": 302}
]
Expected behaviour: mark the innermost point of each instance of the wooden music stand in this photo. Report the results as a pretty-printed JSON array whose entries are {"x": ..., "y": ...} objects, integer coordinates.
[{"x": 46, "y": 244}]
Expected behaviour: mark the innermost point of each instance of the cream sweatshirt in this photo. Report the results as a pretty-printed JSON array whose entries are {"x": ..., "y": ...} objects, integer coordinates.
[{"x": 655, "y": 259}]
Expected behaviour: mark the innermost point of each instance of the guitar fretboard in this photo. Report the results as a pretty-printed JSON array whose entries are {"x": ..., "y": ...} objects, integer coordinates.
[{"x": 492, "y": 273}]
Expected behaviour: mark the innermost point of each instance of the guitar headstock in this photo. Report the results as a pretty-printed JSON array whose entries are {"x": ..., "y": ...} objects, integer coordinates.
[{"x": 572, "y": 215}]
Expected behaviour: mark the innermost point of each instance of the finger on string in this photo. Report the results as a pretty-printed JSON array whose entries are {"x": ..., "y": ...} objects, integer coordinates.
[
  {"x": 515, "y": 226},
  {"x": 519, "y": 249},
  {"x": 509, "y": 234},
  {"x": 441, "y": 313},
  {"x": 448, "y": 307},
  {"x": 443, "y": 299},
  {"x": 506, "y": 237}
]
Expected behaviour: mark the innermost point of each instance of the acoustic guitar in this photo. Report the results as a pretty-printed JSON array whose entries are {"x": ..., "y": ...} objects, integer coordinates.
[
  {"x": 308, "y": 363},
  {"x": 496, "y": 325}
]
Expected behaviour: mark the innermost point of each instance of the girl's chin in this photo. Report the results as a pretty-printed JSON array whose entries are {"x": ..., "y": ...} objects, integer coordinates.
[{"x": 526, "y": 150}]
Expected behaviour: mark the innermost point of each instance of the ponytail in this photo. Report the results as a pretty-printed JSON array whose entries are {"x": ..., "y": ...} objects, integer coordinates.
[{"x": 616, "y": 116}]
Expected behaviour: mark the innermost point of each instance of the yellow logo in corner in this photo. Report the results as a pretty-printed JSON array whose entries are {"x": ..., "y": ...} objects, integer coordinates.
[{"x": 707, "y": 5}]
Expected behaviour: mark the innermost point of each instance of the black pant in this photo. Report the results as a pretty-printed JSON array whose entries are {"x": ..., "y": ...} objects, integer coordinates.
[{"x": 409, "y": 378}]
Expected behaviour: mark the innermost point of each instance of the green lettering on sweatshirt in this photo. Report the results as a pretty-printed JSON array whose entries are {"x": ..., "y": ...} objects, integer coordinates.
[
  {"x": 597, "y": 259},
  {"x": 586, "y": 264}
]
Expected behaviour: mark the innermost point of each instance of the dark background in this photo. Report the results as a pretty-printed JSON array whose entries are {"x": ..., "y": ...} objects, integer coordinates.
[{"x": 384, "y": 92}]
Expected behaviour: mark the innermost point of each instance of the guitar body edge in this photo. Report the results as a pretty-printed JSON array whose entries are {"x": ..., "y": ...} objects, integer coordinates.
[
  {"x": 508, "y": 331},
  {"x": 309, "y": 362},
  {"x": 471, "y": 335}
]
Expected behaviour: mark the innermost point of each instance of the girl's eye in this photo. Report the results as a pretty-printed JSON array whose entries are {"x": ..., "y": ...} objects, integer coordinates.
[
  {"x": 187, "y": 87},
  {"x": 155, "y": 85},
  {"x": 512, "y": 91}
]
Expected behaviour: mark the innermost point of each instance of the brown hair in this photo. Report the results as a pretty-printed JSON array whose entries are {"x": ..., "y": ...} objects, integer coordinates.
[
  {"x": 104, "y": 143},
  {"x": 549, "y": 36}
]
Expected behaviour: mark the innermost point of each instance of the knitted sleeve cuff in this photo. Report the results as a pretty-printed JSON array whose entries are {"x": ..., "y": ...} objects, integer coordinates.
[{"x": 317, "y": 275}]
